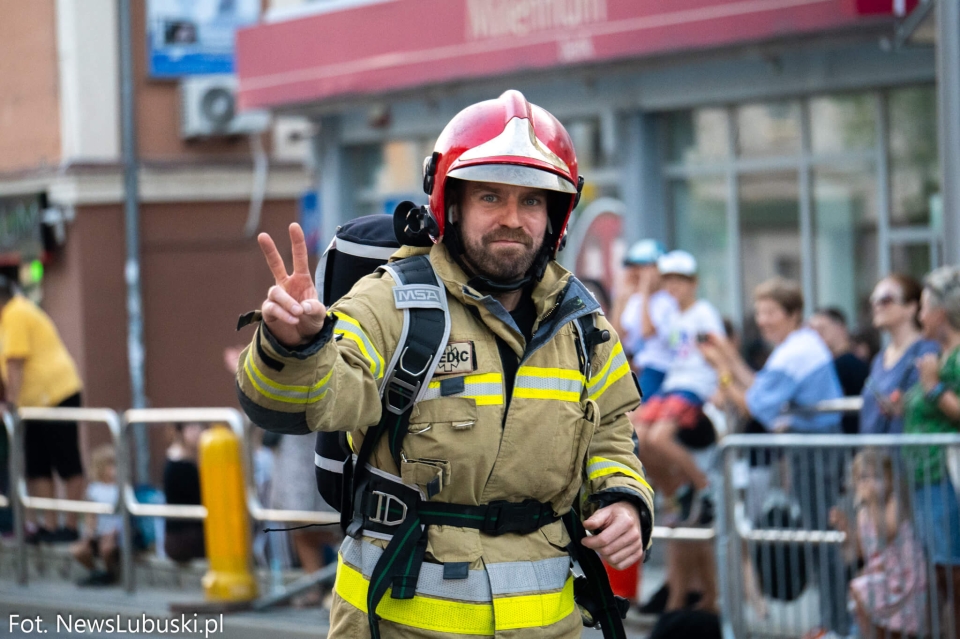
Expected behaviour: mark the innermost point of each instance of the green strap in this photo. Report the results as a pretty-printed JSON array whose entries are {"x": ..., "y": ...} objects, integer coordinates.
[{"x": 396, "y": 568}]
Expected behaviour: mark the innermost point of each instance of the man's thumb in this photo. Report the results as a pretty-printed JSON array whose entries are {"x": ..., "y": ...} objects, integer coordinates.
[{"x": 597, "y": 520}]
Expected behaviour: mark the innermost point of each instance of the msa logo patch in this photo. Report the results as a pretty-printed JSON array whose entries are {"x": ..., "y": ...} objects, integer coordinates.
[
  {"x": 457, "y": 358},
  {"x": 417, "y": 296}
]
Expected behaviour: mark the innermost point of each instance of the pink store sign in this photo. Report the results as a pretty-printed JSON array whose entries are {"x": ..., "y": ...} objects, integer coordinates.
[{"x": 400, "y": 44}]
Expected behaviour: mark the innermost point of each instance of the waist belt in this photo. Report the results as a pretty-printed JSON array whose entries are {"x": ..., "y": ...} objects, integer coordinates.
[{"x": 386, "y": 507}]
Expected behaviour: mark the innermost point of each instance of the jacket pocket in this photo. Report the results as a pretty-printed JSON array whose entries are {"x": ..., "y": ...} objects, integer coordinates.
[
  {"x": 458, "y": 413},
  {"x": 430, "y": 475},
  {"x": 450, "y": 544}
]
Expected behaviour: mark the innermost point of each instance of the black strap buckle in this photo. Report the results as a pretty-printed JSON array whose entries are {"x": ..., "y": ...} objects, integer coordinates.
[
  {"x": 512, "y": 517},
  {"x": 406, "y": 391},
  {"x": 381, "y": 514}
]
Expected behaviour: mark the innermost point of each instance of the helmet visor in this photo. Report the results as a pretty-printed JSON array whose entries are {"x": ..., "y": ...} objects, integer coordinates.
[{"x": 514, "y": 174}]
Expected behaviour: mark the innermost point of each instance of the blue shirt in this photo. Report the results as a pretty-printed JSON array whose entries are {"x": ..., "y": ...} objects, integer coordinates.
[
  {"x": 884, "y": 381},
  {"x": 799, "y": 373}
]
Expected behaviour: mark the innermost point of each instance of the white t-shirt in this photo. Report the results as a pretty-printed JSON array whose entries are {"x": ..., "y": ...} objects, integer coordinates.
[
  {"x": 689, "y": 371},
  {"x": 653, "y": 352},
  {"x": 105, "y": 494}
]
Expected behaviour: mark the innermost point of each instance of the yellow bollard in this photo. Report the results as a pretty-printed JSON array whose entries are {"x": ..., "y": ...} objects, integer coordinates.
[{"x": 227, "y": 526}]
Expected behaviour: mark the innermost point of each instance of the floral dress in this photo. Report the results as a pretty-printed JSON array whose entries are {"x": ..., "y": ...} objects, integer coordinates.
[{"x": 892, "y": 586}]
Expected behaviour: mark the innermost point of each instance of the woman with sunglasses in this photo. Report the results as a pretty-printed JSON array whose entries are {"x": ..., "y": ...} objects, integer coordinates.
[{"x": 896, "y": 306}]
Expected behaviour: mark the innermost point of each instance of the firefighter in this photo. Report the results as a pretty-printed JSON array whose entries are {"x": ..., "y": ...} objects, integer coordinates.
[{"x": 514, "y": 425}]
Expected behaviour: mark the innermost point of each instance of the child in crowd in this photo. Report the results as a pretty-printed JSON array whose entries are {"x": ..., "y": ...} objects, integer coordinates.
[
  {"x": 643, "y": 314},
  {"x": 671, "y": 424},
  {"x": 101, "y": 535},
  {"x": 672, "y": 416},
  {"x": 889, "y": 593}
]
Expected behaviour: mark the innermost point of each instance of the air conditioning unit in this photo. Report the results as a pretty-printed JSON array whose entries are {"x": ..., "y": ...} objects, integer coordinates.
[{"x": 208, "y": 108}]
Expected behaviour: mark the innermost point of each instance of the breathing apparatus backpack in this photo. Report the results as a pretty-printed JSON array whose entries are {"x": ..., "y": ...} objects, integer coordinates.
[{"x": 376, "y": 503}]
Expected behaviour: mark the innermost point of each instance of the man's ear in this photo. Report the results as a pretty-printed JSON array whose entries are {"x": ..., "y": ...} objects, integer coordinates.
[{"x": 453, "y": 213}]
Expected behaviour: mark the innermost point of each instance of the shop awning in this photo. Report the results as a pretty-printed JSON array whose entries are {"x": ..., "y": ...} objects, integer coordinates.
[{"x": 394, "y": 45}]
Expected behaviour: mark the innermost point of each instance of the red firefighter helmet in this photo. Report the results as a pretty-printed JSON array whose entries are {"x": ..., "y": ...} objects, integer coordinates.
[{"x": 506, "y": 141}]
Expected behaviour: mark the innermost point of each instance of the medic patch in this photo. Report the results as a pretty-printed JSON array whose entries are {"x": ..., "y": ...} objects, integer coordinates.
[{"x": 458, "y": 358}]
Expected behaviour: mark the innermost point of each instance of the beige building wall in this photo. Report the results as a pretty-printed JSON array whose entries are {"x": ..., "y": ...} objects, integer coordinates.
[
  {"x": 29, "y": 113},
  {"x": 88, "y": 46}
]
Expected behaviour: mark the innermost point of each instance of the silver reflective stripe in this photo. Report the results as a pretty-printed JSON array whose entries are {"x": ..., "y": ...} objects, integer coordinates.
[
  {"x": 331, "y": 465},
  {"x": 480, "y": 586},
  {"x": 600, "y": 465},
  {"x": 517, "y": 577},
  {"x": 475, "y": 588},
  {"x": 469, "y": 390},
  {"x": 364, "y": 250},
  {"x": 549, "y": 383}
]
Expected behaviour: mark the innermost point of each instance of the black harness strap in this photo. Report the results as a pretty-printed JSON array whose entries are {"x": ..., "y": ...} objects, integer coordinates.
[{"x": 592, "y": 592}]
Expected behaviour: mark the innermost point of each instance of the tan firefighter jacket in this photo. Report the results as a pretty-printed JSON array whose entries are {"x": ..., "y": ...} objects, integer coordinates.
[{"x": 562, "y": 431}]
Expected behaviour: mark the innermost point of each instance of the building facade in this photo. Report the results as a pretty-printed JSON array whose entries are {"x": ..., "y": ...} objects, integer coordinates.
[
  {"x": 60, "y": 152},
  {"x": 792, "y": 138}
]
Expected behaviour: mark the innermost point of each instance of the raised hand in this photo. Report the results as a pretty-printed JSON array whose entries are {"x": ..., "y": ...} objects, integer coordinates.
[{"x": 292, "y": 310}]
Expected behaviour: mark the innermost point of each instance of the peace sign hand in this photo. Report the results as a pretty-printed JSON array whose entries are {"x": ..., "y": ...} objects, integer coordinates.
[{"x": 292, "y": 310}]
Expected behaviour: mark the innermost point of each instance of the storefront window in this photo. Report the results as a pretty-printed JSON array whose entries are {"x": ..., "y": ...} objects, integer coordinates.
[
  {"x": 700, "y": 205},
  {"x": 845, "y": 237},
  {"x": 586, "y": 137},
  {"x": 912, "y": 259},
  {"x": 697, "y": 136},
  {"x": 765, "y": 130},
  {"x": 381, "y": 176},
  {"x": 825, "y": 182},
  {"x": 843, "y": 123},
  {"x": 914, "y": 164},
  {"x": 769, "y": 228}
]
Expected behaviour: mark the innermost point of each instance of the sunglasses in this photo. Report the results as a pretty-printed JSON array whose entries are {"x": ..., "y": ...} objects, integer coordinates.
[{"x": 884, "y": 300}]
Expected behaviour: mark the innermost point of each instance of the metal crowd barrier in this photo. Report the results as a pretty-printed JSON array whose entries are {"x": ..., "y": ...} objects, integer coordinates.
[
  {"x": 786, "y": 560},
  {"x": 128, "y": 506},
  {"x": 21, "y": 499}
]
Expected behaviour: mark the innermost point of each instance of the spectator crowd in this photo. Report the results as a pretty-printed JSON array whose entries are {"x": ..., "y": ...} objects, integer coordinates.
[{"x": 700, "y": 382}]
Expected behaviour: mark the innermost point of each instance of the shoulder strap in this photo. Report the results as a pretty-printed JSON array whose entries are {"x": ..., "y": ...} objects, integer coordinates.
[{"x": 426, "y": 327}]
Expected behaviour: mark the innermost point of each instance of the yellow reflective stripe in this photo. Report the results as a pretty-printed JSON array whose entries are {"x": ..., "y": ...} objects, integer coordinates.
[
  {"x": 454, "y": 617},
  {"x": 281, "y": 392},
  {"x": 545, "y": 393},
  {"x": 610, "y": 467},
  {"x": 420, "y": 612},
  {"x": 350, "y": 329},
  {"x": 606, "y": 376},
  {"x": 529, "y": 611},
  {"x": 560, "y": 373}
]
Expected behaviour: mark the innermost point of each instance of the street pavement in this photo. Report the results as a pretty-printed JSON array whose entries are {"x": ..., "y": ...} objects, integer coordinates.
[{"x": 54, "y": 602}]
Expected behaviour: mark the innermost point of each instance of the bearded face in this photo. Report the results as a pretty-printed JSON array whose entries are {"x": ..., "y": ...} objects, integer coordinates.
[{"x": 502, "y": 228}]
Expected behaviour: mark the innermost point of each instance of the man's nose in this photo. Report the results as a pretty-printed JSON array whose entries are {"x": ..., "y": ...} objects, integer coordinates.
[{"x": 510, "y": 214}]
